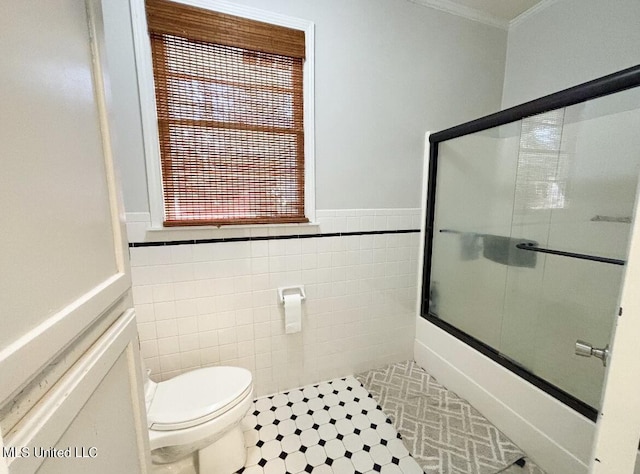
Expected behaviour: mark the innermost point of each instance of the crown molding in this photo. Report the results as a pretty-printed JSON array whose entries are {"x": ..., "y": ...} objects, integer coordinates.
[
  {"x": 465, "y": 12},
  {"x": 534, "y": 10}
]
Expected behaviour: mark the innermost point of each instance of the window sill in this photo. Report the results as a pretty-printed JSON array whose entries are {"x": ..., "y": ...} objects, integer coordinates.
[
  {"x": 214, "y": 228},
  {"x": 140, "y": 229},
  {"x": 185, "y": 233}
]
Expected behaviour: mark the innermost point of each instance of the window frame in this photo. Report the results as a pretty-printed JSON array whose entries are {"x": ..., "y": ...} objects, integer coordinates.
[{"x": 146, "y": 88}]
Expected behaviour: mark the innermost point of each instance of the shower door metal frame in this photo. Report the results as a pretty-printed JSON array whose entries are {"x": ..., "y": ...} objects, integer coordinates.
[{"x": 606, "y": 85}]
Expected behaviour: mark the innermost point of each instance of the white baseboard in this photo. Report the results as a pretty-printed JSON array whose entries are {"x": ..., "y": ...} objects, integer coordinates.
[{"x": 557, "y": 438}]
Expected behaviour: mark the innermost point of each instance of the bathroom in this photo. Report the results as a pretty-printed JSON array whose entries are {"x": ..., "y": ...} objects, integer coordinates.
[{"x": 385, "y": 73}]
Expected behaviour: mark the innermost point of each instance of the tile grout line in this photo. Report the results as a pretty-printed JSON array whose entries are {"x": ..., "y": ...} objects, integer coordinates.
[{"x": 343, "y": 430}]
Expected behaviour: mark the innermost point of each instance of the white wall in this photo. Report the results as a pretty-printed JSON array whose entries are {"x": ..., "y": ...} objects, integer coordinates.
[
  {"x": 568, "y": 43},
  {"x": 386, "y": 71}
]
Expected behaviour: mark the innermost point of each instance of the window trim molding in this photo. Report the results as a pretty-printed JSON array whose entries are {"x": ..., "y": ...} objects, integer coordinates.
[{"x": 144, "y": 69}]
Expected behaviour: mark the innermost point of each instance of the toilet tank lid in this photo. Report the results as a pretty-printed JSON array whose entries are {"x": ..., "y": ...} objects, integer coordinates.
[{"x": 197, "y": 396}]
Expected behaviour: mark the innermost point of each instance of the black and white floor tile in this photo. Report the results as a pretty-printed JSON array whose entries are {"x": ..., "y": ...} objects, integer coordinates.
[{"x": 334, "y": 427}]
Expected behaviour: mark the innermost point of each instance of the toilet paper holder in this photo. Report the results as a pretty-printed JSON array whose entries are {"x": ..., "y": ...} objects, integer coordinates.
[{"x": 289, "y": 290}]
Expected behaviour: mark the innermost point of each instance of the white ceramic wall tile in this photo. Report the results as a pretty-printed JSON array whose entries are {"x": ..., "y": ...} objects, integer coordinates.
[
  {"x": 216, "y": 303},
  {"x": 167, "y": 346}
]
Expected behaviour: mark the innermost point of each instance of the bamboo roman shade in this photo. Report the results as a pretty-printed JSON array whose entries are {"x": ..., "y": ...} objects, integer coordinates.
[{"x": 230, "y": 116}]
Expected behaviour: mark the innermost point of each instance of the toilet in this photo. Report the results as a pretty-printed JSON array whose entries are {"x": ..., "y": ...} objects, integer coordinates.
[{"x": 194, "y": 420}]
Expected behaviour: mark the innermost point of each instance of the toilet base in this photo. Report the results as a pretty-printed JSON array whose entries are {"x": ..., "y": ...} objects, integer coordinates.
[
  {"x": 225, "y": 456},
  {"x": 183, "y": 466}
]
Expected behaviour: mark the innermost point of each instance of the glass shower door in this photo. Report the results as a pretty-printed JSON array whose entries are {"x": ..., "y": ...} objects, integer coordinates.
[
  {"x": 563, "y": 181},
  {"x": 474, "y": 201},
  {"x": 575, "y": 190}
]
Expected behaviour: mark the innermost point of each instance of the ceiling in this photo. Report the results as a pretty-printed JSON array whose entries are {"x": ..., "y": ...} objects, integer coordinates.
[{"x": 505, "y": 10}]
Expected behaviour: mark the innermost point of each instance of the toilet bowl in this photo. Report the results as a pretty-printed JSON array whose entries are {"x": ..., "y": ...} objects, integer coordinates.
[{"x": 198, "y": 414}]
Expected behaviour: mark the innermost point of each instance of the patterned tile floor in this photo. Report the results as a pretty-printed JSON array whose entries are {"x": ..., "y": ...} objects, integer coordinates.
[{"x": 333, "y": 427}]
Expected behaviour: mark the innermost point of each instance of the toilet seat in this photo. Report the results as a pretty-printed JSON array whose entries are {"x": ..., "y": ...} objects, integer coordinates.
[{"x": 196, "y": 397}]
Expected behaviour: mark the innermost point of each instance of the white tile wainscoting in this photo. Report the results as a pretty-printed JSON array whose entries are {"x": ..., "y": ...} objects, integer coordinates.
[{"x": 202, "y": 304}]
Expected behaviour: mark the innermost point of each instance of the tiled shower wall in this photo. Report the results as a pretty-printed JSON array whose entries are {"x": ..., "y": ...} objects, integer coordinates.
[{"x": 203, "y": 304}]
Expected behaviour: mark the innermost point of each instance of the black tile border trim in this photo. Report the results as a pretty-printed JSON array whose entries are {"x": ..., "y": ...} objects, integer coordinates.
[{"x": 167, "y": 243}]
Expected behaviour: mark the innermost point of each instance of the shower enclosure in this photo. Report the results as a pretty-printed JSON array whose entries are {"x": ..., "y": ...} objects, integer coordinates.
[{"x": 528, "y": 224}]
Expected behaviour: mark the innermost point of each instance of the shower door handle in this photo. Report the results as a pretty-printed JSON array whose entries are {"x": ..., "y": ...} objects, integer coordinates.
[{"x": 585, "y": 349}]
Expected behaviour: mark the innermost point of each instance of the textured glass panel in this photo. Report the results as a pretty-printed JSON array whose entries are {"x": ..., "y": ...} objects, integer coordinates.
[
  {"x": 474, "y": 201},
  {"x": 591, "y": 174},
  {"x": 564, "y": 180}
]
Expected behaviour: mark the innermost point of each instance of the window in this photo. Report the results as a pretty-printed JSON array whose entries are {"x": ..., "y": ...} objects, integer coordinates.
[{"x": 230, "y": 106}]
